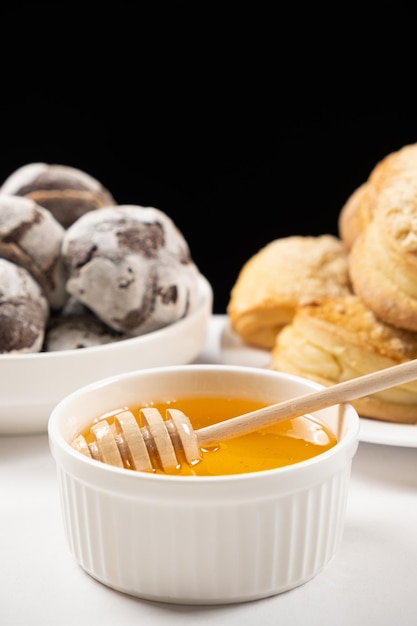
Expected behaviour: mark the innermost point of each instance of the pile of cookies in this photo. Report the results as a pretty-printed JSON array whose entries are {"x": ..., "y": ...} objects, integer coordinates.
[
  {"x": 77, "y": 269},
  {"x": 334, "y": 308}
]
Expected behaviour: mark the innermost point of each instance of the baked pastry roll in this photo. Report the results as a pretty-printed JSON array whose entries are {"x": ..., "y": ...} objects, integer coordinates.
[
  {"x": 283, "y": 274},
  {"x": 355, "y": 215},
  {"x": 383, "y": 259},
  {"x": 364, "y": 202},
  {"x": 339, "y": 339}
]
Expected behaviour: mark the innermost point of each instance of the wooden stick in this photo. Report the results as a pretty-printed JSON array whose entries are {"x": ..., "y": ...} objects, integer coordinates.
[{"x": 314, "y": 401}]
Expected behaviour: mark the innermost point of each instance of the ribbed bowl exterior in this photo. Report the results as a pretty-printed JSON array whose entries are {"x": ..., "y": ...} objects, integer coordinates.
[
  {"x": 205, "y": 552},
  {"x": 201, "y": 540}
]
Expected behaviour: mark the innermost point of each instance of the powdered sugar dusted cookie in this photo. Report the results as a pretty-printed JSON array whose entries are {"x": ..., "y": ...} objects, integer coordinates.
[
  {"x": 23, "y": 310},
  {"x": 75, "y": 331},
  {"x": 31, "y": 237},
  {"x": 132, "y": 267},
  {"x": 67, "y": 192}
]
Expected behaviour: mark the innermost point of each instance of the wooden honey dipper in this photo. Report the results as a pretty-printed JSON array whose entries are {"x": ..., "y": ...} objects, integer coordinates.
[{"x": 125, "y": 444}]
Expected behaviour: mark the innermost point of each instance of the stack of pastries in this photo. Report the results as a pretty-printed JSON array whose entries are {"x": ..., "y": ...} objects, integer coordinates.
[{"x": 333, "y": 308}]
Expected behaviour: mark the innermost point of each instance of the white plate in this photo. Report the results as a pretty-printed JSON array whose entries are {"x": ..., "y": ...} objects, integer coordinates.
[
  {"x": 387, "y": 433},
  {"x": 233, "y": 351}
]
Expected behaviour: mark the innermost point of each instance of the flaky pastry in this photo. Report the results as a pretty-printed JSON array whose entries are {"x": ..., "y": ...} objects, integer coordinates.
[
  {"x": 283, "y": 274},
  {"x": 393, "y": 171},
  {"x": 339, "y": 339},
  {"x": 355, "y": 215},
  {"x": 383, "y": 259}
]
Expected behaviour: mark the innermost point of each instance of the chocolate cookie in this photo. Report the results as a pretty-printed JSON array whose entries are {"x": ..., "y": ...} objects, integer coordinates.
[
  {"x": 65, "y": 191},
  {"x": 132, "y": 267},
  {"x": 31, "y": 237},
  {"x": 23, "y": 310},
  {"x": 76, "y": 331}
]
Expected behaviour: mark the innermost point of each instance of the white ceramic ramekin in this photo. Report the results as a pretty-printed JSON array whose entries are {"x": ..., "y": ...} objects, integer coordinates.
[{"x": 200, "y": 540}]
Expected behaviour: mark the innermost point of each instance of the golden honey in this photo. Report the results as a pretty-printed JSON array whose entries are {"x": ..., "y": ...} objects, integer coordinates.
[{"x": 285, "y": 443}]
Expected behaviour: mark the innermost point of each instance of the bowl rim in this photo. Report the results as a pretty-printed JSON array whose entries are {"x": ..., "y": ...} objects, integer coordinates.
[{"x": 56, "y": 437}]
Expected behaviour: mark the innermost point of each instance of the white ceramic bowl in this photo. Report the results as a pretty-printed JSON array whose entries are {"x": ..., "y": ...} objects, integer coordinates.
[
  {"x": 195, "y": 539},
  {"x": 32, "y": 384}
]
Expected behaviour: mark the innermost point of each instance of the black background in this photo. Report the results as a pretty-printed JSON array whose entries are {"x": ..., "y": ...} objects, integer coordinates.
[{"x": 243, "y": 129}]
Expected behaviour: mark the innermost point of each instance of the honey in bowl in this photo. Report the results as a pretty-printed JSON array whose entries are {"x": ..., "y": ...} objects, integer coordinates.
[{"x": 285, "y": 443}]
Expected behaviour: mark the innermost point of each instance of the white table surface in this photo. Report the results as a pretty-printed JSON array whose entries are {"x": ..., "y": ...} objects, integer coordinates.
[{"x": 371, "y": 581}]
